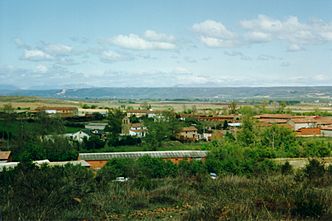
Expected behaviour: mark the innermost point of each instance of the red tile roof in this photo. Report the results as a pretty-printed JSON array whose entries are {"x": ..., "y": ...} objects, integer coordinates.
[
  {"x": 274, "y": 116},
  {"x": 303, "y": 120},
  {"x": 308, "y": 131}
]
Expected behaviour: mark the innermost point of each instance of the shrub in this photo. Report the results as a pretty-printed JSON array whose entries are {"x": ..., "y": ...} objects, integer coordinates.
[
  {"x": 314, "y": 169},
  {"x": 286, "y": 168},
  {"x": 309, "y": 203}
]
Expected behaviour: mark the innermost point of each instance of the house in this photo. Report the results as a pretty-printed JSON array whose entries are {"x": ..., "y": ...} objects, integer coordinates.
[
  {"x": 99, "y": 160},
  {"x": 306, "y": 122},
  {"x": 137, "y": 130},
  {"x": 79, "y": 136},
  {"x": 308, "y": 132},
  {"x": 326, "y": 131},
  {"x": 5, "y": 156},
  {"x": 62, "y": 111},
  {"x": 188, "y": 134}
]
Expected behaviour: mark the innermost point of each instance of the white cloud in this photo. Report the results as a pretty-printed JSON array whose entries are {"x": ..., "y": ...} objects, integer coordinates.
[
  {"x": 133, "y": 41},
  {"x": 58, "y": 49},
  {"x": 111, "y": 56},
  {"x": 297, "y": 34},
  {"x": 259, "y": 37},
  {"x": 263, "y": 23},
  {"x": 294, "y": 47},
  {"x": 214, "y": 34},
  {"x": 217, "y": 42},
  {"x": 212, "y": 28},
  {"x": 41, "y": 69},
  {"x": 155, "y": 36},
  {"x": 36, "y": 55}
]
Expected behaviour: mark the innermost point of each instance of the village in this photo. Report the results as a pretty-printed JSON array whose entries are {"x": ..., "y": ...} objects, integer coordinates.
[{"x": 90, "y": 126}]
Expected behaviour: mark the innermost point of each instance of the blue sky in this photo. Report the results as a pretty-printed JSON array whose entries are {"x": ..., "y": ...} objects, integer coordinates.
[{"x": 72, "y": 43}]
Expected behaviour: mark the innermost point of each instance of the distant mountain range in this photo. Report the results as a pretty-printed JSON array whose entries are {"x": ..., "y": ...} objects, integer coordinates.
[{"x": 182, "y": 93}]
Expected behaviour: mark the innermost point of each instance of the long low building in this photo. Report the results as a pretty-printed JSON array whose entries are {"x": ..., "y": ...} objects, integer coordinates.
[{"x": 98, "y": 160}]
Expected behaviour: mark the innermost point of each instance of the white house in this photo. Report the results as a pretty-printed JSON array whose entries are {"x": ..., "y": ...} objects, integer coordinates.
[
  {"x": 137, "y": 130},
  {"x": 298, "y": 123},
  {"x": 78, "y": 136}
]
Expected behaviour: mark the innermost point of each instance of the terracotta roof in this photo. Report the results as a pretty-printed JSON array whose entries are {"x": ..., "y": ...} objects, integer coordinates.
[
  {"x": 303, "y": 120},
  {"x": 308, "y": 131},
  {"x": 4, "y": 155},
  {"x": 273, "y": 121},
  {"x": 326, "y": 128},
  {"x": 324, "y": 120},
  {"x": 191, "y": 128},
  {"x": 274, "y": 116}
]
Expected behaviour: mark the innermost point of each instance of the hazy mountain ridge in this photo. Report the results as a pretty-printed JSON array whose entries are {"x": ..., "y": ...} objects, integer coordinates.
[{"x": 178, "y": 93}]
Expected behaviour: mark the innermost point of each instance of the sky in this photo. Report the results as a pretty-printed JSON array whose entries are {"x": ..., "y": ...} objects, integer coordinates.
[{"x": 165, "y": 43}]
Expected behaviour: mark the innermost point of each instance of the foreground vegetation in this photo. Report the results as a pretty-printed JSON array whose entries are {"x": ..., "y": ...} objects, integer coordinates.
[{"x": 162, "y": 190}]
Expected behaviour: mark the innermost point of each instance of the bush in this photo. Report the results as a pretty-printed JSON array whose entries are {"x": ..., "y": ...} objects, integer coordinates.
[
  {"x": 309, "y": 203},
  {"x": 286, "y": 168},
  {"x": 314, "y": 170}
]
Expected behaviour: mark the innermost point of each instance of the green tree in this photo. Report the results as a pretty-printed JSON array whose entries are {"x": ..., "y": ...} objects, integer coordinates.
[
  {"x": 278, "y": 137},
  {"x": 248, "y": 133},
  {"x": 162, "y": 127},
  {"x": 50, "y": 125},
  {"x": 232, "y": 107},
  {"x": 115, "y": 117}
]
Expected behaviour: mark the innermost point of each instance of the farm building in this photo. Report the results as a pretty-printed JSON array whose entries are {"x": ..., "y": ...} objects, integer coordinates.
[
  {"x": 298, "y": 123},
  {"x": 188, "y": 134},
  {"x": 98, "y": 160}
]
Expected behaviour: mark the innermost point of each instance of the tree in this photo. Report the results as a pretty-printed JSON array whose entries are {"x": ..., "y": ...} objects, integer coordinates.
[
  {"x": 8, "y": 108},
  {"x": 225, "y": 125},
  {"x": 115, "y": 117},
  {"x": 247, "y": 110},
  {"x": 314, "y": 170},
  {"x": 232, "y": 107},
  {"x": 146, "y": 106},
  {"x": 248, "y": 133},
  {"x": 94, "y": 142},
  {"x": 50, "y": 125},
  {"x": 278, "y": 137},
  {"x": 163, "y": 127}
]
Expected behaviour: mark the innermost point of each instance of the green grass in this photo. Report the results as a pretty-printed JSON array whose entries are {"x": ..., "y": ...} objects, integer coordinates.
[{"x": 72, "y": 129}]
